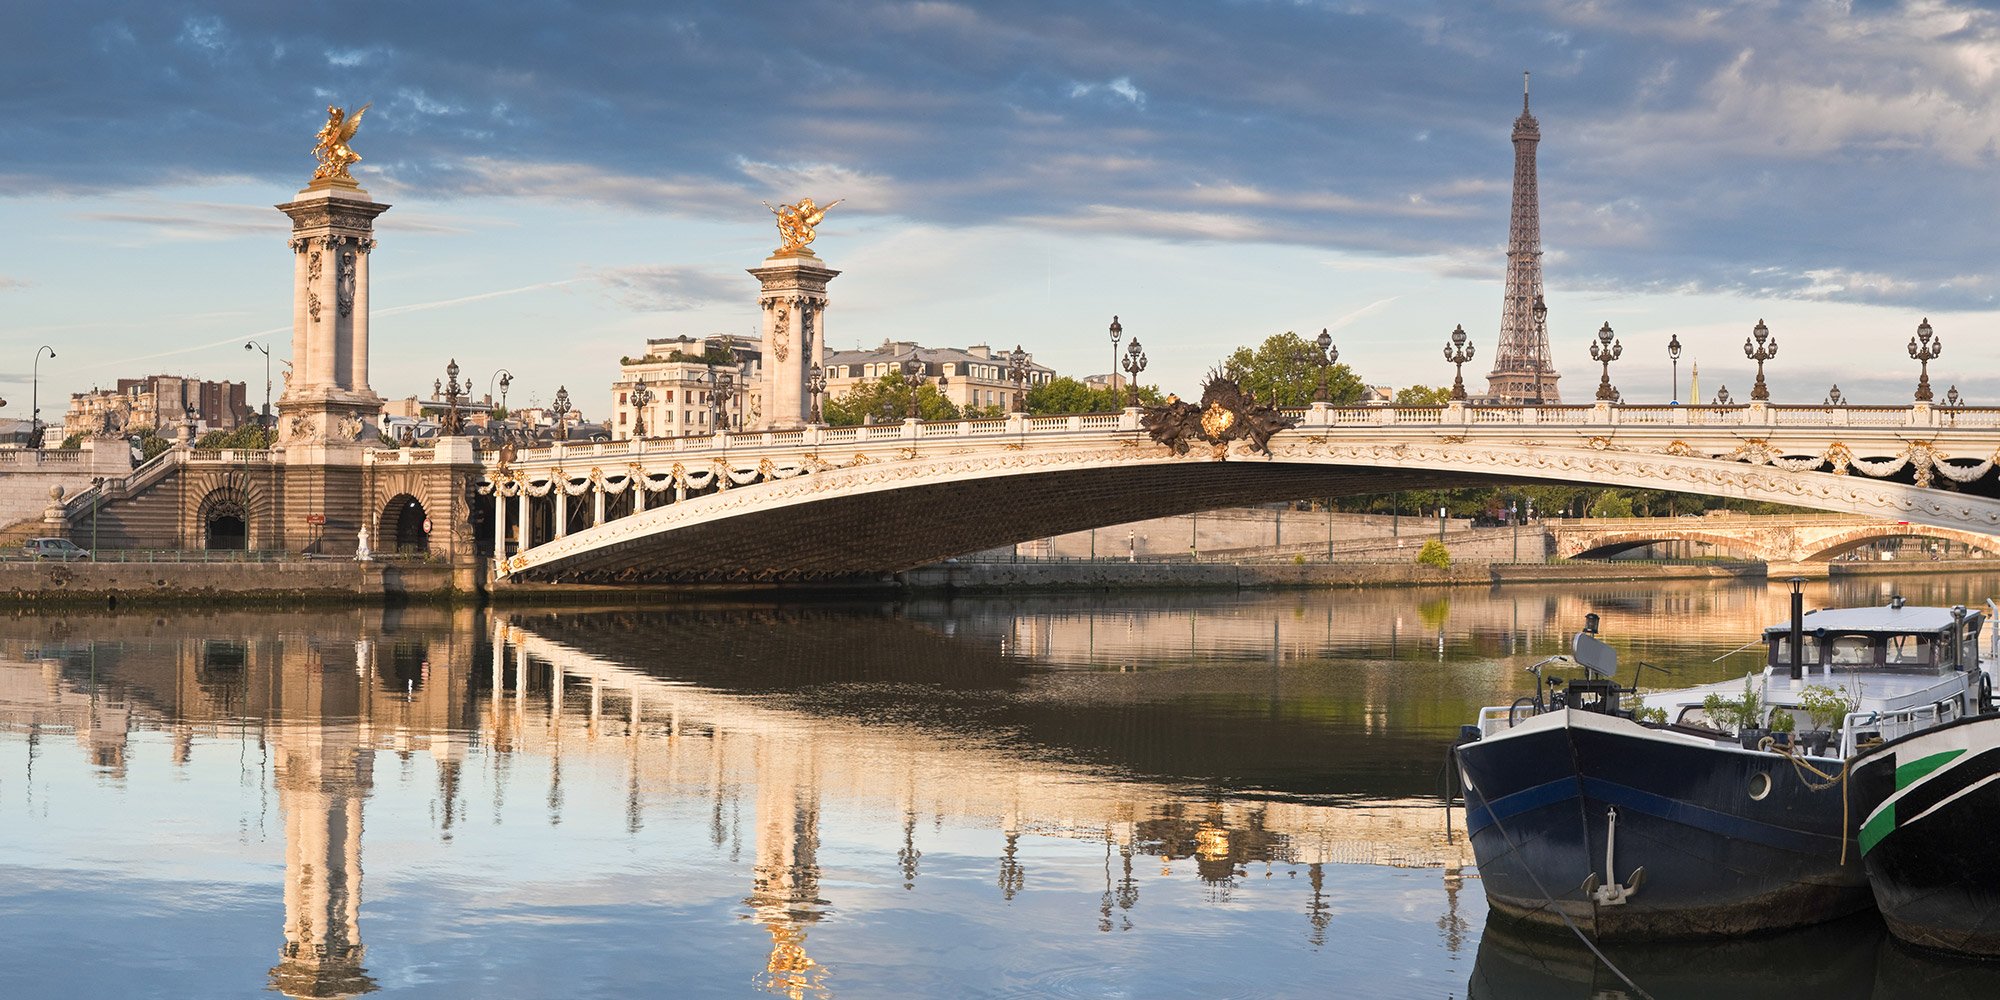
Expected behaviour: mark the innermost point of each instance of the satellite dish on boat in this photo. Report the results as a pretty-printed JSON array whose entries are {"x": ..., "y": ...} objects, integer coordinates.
[{"x": 1596, "y": 656}]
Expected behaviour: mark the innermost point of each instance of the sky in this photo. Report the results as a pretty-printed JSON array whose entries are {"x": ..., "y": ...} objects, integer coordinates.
[{"x": 568, "y": 179}]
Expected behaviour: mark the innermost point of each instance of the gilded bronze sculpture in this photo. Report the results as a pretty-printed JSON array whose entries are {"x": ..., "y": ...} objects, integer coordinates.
[
  {"x": 796, "y": 224},
  {"x": 332, "y": 150}
]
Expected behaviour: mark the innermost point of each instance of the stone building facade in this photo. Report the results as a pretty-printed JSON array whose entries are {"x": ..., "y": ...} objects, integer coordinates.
[
  {"x": 160, "y": 402},
  {"x": 975, "y": 376},
  {"x": 692, "y": 386}
]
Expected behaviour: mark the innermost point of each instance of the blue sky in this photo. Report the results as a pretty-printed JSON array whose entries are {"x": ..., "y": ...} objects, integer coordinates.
[{"x": 571, "y": 178}]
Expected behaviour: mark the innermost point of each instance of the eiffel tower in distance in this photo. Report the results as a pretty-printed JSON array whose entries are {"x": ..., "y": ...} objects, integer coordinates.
[{"x": 1522, "y": 371}]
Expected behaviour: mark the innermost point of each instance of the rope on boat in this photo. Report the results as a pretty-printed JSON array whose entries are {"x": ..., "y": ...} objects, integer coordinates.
[{"x": 1801, "y": 766}]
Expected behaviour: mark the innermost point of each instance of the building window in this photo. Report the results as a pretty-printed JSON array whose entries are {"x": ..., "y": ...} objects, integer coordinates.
[
  {"x": 621, "y": 418},
  {"x": 670, "y": 395}
]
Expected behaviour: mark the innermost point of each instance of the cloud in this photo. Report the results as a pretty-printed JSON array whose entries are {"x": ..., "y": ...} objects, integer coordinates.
[
  {"x": 669, "y": 288},
  {"x": 1121, "y": 87}
]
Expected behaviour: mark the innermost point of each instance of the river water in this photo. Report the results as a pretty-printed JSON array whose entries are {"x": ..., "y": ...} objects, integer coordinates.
[{"x": 1106, "y": 796}]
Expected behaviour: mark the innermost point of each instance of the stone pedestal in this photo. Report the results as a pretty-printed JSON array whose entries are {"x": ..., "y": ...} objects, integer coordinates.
[
  {"x": 327, "y": 400},
  {"x": 794, "y": 306}
]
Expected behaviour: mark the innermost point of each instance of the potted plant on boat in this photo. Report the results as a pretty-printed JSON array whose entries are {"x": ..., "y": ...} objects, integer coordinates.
[
  {"x": 1742, "y": 714},
  {"x": 1825, "y": 707},
  {"x": 1782, "y": 724}
]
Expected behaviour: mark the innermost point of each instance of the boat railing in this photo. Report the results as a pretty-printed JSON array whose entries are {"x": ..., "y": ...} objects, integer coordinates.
[
  {"x": 1891, "y": 725},
  {"x": 1495, "y": 719}
]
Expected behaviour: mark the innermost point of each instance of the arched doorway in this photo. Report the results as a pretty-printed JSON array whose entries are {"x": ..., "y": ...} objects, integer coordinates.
[
  {"x": 225, "y": 520},
  {"x": 404, "y": 526}
]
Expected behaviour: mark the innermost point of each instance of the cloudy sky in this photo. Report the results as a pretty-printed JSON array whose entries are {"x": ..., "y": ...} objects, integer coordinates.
[{"x": 571, "y": 178}]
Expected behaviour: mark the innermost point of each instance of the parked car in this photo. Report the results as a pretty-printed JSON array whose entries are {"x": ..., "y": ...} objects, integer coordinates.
[{"x": 54, "y": 548}]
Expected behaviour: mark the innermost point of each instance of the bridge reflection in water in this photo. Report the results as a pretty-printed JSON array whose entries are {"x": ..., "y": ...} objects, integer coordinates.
[{"x": 1251, "y": 748}]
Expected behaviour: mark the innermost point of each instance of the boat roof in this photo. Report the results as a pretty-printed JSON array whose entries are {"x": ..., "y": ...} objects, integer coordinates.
[{"x": 1889, "y": 618}]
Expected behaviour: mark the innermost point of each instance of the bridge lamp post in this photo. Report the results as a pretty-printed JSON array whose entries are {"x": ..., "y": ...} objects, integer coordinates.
[
  {"x": 266, "y": 348},
  {"x": 1722, "y": 396},
  {"x": 1834, "y": 398},
  {"x": 913, "y": 373},
  {"x": 816, "y": 385},
  {"x": 450, "y": 391},
  {"x": 1117, "y": 330},
  {"x": 1458, "y": 352},
  {"x": 1323, "y": 354},
  {"x": 1674, "y": 356},
  {"x": 1605, "y": 349},
  {"x": 1760, "y": 347},
  {"x": 1541, "y": 312},
  {"x": 1017, "y": 372},
  {"x": 1952, "y": 398},
  {"x": 561, "y": 407},
  {"x": 1135, "y": 362},
  {"x": 505, "y": 378},
  {"x": 641, "y": 397},
  {"x": 723, "y": 393},
  {"x": 35, "y": 397},
  {"x": 1925, "y": 349}
]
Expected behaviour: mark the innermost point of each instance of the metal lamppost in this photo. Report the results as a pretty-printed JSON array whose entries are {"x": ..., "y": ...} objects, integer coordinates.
[
  {"x": 266, "y": 348},
  {"x": 505, "y": 378},
  {"x": 96, "y": 494},
  {"x": 721, "y": 396},
  {"x": 913, "y": 373},
  {"x": 35, "y": 397},
  {"x": 561, "y": 407},
  {"x": 450, "y": 390},
  {"x": 1925, "y": 348},
  {"x": 816, "y": 384},
  {"x": 1458, "y": 352},
  {"x": 1541, "y": 312},
  {"x": 1722, "y": 396},
  {"x": 1135, "y": 362},
  {"x": 1605, "y": 350},
  {"x": 1017, "y": 372},
  {"x": 1834, "y": 398},
  {"x": 1760, "y": 347},
  {"x": 1117, "y": 330},
  {"x": 641, "y": 397},
  {"x": 1952, "y": 398},
  {"x": 1674, "y": 356},
  {"x": 1323, "y": 354}
]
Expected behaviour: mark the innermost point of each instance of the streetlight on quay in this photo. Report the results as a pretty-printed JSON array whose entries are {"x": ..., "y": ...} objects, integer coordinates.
[
  {"x": 1674, "y": 356},
  {"x": 35, "y": 397},
  {"x": 266, "y": 349}
]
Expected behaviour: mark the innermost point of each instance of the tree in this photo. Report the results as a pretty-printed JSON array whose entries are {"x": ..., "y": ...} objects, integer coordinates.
[
  {"x": 1423, "y": 395},
  {"x": 1280, "y": 373},
  {"x": 247, "y": 437},
  {"x": 1434, "y": 554},
  {"x": 1067, "y": 395},
  {"x": 887, "y": 399}
]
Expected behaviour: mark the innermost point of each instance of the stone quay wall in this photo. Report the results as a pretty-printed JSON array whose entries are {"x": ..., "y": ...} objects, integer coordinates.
[
  {"x": 296, "y": 581},
  {"x": 27, "y": 474}
]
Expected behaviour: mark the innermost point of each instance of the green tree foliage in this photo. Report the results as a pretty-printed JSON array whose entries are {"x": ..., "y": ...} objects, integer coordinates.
[
  {"x": 1067, "y": 395},
  {"x": 1434, "y": 554},
  {"x": 1279, "y": 371},
  {"x": 150, "y": 444},
  {"x": 72, "y": 443},
  {"x": 887, "y": 399},
  {"x": 1424, "y": 395},
  {"x": 248, "y": 436}
]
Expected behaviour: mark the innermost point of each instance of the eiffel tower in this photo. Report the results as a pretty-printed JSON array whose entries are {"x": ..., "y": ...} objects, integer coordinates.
[{"x": 1522, "y": 372}]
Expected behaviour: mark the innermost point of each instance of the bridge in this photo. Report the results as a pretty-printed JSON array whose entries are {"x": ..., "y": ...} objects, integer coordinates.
[
  {"x": 819, "y": 502},
  {"x": 1780, "y": 539}
]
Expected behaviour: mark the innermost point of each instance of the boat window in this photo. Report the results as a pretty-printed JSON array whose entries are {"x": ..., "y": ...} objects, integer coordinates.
[
  {"x": 1908, "y": 651},
  {"x": 1853, "y": 651},
  {"x": 1781, "y": 651}
]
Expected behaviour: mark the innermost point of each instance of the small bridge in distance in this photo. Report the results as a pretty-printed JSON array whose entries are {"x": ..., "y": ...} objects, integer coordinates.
[{"x": 1771, "y": 539}]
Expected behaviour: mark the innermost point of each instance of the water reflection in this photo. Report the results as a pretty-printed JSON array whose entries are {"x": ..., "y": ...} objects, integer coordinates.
[{"x": 989, "y": 797}]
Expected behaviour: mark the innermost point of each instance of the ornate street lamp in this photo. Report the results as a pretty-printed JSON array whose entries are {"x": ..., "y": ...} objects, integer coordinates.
[
  {"x": 449, "y": 391},
  {"x": 1925, "y": 348},
  {"x": 1834, "y": 398},
  {"x": 641, "y": 396},
  {"x": 913, "y": 373},
  {"x": 1604, "y": 350},
  {"x": 1117, "y": 330},
  {"x": 561, "y": 407},
  {"x": 1323, "y": 354},
  {"x": 1135, "y": 362},
  {"x": 1017, "y": 372},
  {"x": 1952, "y": 398},
  {"x": 1541, "y": 312},
  {"x": 724, "y": 391},
  {"x": 1458, "y": 352},
  {"x": 1722, "y": 396},
  {"x": 1760, "y": 347},
  {"x": 35, "y": 397},
  {"x": 266, "y": 348},
  {"x": 505, "y": 378},
  {"x": 1674, "y": 355},
  {"x": 816, "y": 384}
]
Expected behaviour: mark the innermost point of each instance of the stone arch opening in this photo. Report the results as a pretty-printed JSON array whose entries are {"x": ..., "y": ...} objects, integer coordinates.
[
  {"x": 224, "y": 519},
  {"x": 403, "y": 526}
]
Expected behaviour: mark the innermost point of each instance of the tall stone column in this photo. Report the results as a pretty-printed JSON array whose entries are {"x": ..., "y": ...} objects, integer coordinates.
[
  {"x": 794, "y": 301},
  {"x": 328, "y": 414}
]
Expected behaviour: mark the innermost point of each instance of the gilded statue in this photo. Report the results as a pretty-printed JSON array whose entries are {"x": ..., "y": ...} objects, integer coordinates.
[
  {"x": 332, "y": 152},
  {"x": 797, "y": 222}
]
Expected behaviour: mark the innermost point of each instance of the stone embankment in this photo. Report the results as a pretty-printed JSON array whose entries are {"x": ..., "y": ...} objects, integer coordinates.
[{"x": 293, "y": 581}]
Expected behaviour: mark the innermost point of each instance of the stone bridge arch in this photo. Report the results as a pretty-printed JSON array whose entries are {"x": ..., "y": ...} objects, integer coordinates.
[
  {"x": 1572, "y": 543},
  {"x": 1823, "y": 547},
  {"x": 900, "y": 504}
]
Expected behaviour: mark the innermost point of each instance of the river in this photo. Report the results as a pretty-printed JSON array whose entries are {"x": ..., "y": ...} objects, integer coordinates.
[{"x": 1115, "y": 795}]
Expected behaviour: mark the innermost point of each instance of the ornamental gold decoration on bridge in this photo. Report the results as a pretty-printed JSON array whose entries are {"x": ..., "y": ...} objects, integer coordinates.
[
  {"x": 332, "y": 151},
  {"x": 797, "y": 225}
]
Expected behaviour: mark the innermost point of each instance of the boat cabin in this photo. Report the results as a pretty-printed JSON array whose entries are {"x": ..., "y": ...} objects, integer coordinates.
[{"x": 1891, "y": 639}]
